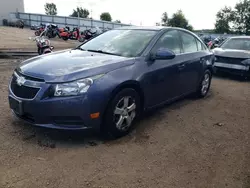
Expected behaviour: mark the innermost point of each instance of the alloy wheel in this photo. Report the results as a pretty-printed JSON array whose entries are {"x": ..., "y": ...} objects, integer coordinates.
[
  {"x": 124, "y": 113},
  {"x": 205, "y": 84}
]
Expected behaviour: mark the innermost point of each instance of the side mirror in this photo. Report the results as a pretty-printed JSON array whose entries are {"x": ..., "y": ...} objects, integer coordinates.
[{"x": 163, "y": 54}]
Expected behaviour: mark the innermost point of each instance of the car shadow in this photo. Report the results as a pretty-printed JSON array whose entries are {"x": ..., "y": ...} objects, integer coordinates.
[
  {"x": 52, "y": 138},
  {"x": 229, "y": 76}
]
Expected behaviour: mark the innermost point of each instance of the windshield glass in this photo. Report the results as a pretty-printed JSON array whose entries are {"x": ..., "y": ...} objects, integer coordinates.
[
  {"x": 237, "y": 44},
  {"x": 127, "y": 43}
]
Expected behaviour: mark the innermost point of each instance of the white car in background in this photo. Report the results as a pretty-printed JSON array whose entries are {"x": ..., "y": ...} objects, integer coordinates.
[{"x": 233, "y": 56}]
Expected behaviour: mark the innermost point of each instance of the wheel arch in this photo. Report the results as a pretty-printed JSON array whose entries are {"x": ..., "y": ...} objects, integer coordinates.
[
  {"x": 127, "y": 84},
  {"x": 210, "y": 68}
]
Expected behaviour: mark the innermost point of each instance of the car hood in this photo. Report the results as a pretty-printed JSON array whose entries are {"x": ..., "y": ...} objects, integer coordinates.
[
  {"x": 69, "y": 65},
  {"x": 232, "y": 53}
]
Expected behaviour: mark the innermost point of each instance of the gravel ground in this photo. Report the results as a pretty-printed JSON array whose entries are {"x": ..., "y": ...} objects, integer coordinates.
[
  {"x": 18, "y": 39},
  {"x": 191, "y": 143}
]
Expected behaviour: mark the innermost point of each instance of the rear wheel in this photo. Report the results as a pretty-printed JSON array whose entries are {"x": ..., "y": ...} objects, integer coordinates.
[
  {"x": 65, "y": 38},
  {"x": 204, "y": 85},
  {"x": 121, "y": 113}
]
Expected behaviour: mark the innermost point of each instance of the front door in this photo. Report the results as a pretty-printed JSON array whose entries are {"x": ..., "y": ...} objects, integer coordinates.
[{"x": 161, "y": 82}]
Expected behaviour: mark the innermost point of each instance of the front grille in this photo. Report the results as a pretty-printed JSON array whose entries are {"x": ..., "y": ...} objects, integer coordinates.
[
  {"x": 22, "y": 91},
  {"x": 229, "y": 60},
  {"x": 68, "y": 120}
]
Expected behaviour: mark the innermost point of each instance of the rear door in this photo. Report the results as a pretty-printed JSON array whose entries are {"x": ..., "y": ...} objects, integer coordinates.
[{"x": 191, "y": 68}]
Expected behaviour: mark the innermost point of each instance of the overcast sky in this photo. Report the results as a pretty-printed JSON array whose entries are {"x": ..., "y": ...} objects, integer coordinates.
[{"x": 200, "y": 13}]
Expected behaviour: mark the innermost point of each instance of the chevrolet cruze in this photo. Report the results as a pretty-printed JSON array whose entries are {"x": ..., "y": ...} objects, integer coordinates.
[{"x": 108, "y": 81}]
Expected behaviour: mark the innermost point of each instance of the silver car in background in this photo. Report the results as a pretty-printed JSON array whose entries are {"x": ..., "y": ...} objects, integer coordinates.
[{"x": 233, "y": 56}]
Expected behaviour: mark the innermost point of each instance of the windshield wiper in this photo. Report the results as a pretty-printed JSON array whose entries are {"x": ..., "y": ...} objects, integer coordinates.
[
  {"x": 79, "y": 48},
  {"x": 103, "y": 52}
]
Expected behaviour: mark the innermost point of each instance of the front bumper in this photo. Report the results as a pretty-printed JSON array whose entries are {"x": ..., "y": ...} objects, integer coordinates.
[
  {"x": 235, "y": 69},
  {"x": 70, "y": 113}
]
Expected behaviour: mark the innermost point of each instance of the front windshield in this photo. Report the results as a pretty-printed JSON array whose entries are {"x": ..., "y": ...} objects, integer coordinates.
[
  {"x": 237, "y": 44},
  {"x": 127, "y": 43}
]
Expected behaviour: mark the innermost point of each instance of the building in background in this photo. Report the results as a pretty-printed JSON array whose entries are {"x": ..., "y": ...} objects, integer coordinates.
[{"x": 8, "y": 6}]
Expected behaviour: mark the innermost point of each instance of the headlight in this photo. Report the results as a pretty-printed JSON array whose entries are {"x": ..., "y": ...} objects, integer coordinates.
[{"x": 74, "y": 88}]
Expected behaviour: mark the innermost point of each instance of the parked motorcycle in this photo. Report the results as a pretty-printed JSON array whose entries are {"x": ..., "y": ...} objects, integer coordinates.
[
  {"x": 50, "y": 31},
  {"x": 72, "y": 35},
  {"x": 91, "y": 33},
  {"x": 215, "y": 43},
  {"x": 39, "y": 29},
  {"x": 53, "y": 31},
  {"x": 43, "y": 45}
]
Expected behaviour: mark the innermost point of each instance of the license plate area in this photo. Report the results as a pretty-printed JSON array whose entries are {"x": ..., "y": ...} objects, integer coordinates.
[{"x": 16, "y": 105}]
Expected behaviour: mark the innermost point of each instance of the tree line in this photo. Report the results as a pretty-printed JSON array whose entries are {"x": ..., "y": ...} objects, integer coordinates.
[
  {"x": 178, "y": 19},
  {"x": 229, "y": 20},
  {"x": 51, "y": 9},
  {"x": 234, "y": 20}
]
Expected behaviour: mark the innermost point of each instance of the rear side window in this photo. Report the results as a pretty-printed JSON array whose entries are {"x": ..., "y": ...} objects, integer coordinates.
[
  {"x": 200, "y": 46},
  {"x": 189, "y": 42}
]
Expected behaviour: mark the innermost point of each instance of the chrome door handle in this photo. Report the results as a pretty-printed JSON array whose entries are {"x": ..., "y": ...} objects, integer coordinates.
[{"x": 182, "y": 66}]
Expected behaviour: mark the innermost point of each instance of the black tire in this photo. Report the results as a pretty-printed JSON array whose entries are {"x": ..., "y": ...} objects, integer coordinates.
[
  {"x": 65, "y": 38},
  {"x": 109, "y": 125},
  {"x": 49, "y": 35},
  {"x": 40, "y": 51},
  {"x": 37, "y": 33},
  {"x": 200, "y": 93}
]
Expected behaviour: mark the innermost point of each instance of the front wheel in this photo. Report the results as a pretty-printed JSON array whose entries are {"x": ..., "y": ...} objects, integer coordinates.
[
  {"x": 39, "y": 51},
  {"x": 121, "y": 113},
  {"x": 204, "y": 85},
  {"x": 37, "y": 33}
]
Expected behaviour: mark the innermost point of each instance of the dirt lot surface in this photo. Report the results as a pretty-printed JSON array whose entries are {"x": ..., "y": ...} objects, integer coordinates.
[
  {"x": 191, "y": 143},
  {"x": 18, "y": 39}
]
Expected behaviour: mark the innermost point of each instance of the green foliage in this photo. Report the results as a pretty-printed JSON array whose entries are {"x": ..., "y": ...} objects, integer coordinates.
[
  {"x": 223, "y": 19},
  {"x": 235, "y": 20},
  {"x": 105, "y": 16},
  {"x": 50, "y": 9},
  {"x": 178, "y": 20},
  {"x": 118, "y": 21},
  {"x": 204, "y": 31},
  {"x": 242, "y": 17},
  {"x": 164, "y": 19},
  {"x": 83, "y": 13}
]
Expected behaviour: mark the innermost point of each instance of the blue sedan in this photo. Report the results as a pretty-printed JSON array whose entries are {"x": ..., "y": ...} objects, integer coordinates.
[{"x": 108, "y": 81}]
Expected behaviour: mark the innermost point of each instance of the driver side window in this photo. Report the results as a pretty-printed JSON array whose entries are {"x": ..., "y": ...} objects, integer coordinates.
[{"x": 169, "y": 40}]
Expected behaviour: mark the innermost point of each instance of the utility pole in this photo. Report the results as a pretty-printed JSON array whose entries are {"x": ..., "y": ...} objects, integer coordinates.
[{"x": 78, "y": 14}]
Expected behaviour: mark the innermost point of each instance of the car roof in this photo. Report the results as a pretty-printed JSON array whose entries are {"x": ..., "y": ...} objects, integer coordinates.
[
  {"x": 156, "y": 28},
  {"x": 152, "y": 28}
]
